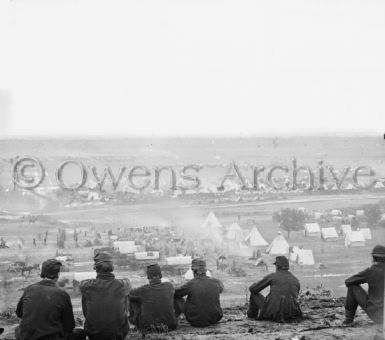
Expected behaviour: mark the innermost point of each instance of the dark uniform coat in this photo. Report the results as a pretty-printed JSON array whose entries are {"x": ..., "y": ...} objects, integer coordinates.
[
  {"x": 45, "y": 311},
  {"x": 202, "y": 306},
  {"x": 374, "y": 277},
  {"x": 281, "y": 303},
  {"x": 105, "y": 306},
  {"x": 156, "y": 304}
]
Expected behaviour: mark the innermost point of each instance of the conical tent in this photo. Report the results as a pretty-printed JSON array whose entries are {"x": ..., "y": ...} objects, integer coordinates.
[
  {"x": 355, "y": 239},
  {"x": 234, "y": 232},
  {"x": 211, "y": 222},
  {"x": 279, "y": 246},
  {"x": 212, "y": 229},
  {"x": 255, "y": 239}
]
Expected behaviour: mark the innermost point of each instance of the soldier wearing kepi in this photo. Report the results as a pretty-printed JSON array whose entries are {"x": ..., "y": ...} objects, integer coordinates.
[
  {"x": 152, "y": 305},
  {"x": 45, "y": 309},
  {"x": 105, "y": 302},
  {"x": 202, "y": 307},
  {"x": 281, "y": 303},
  {"x": 373, "y": 301}
]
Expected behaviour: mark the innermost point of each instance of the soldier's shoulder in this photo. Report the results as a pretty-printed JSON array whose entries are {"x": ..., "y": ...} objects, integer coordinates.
[
  {"x": 124, "y": 282},
  {"x": 84, "y": 284}
]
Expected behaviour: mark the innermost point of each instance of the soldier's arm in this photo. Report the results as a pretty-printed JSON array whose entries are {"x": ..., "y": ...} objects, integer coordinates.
[
  {"x": 220, "y": 285},
  {"x": 255, "y": 288},
  {"x": 182, "y": 290},
  {"x": 68, "y": 315},
  {"x": 19, "y": 308},
  {"x": 357, "y": 279},
  {"x": 137, "y": 293},
  {"x": 126, "y": 286}
]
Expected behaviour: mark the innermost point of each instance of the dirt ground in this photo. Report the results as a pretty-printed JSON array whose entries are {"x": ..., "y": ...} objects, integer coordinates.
[{"x": 322, "y": 320}]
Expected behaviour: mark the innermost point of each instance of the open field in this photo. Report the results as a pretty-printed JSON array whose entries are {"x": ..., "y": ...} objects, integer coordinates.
[{"x": 188, "y": 213}]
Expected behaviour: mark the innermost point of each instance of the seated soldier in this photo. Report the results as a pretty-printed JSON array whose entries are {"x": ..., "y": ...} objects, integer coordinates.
[
  {"x": 105, "y": 302},
  {"x": 45, "y": 309},
  {"x": 281, "y": 303},
  {"x": 152, "y": 305},
  {"x": 373, "y": 301},
  {"x": 202, "y": 307}
]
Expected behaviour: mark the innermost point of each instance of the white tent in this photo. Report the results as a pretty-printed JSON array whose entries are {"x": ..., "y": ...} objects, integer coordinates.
[
  {"x": 312, "y": 229},
  {"x": 336, "y": 212},
  {"x": 360, "y": 213},
  {"x": 305, "y": 257},
  {"x": 126, "y": 247},
  {"x": 234, "y": 232},
  {"x": 379, "y": 185},
  {"x": 212, "y": 229},
  {"x": 211, "y": 222},
  {"x": 329, "y": 233},
  {"x": 255, "y": 239},
  {"x": 279, "y": 246},
  {"x": 346, "y": 229},
  {"x": 317, "y": 215},
  {"x": 355, "y": 239},
  {"x": 367, "y": 233}
]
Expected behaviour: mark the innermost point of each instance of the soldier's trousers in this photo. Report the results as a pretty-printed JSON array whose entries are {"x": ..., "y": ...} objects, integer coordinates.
[
  {"x": 255, "y": 305},
  {"x": 356, "y": 296},
  {"x": 179, "y": 306}
]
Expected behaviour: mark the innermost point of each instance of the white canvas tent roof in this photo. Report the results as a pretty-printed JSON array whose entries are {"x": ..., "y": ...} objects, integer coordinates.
[
  {"x": 360, "y": 213},
  {"x": 305, "y": 257},
  {"x": 211, "y": 221},
  {"x": 354, "y": 239},
  {"x": 317, "y": 215},
  {"x": 329, "y": 233},
  {"x": 379, "y": 185},
  {"x": 336, "y": 212},
  {"x": 234, "y": 232},
  {"x": 312, "y": 229},
  {"x": 255, "y": 238},
  {"x": 126, "y": 247},
  {"x": 346, "y": 229},
  {"x": 278, "y": 246},
  {"x": 367, "y": 233}
]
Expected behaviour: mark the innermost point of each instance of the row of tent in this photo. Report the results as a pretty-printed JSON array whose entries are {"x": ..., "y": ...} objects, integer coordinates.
[{"x": 358, "y": 236}]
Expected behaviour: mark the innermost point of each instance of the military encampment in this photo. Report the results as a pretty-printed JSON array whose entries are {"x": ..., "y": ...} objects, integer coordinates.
[{"x": 188, "y": 264}]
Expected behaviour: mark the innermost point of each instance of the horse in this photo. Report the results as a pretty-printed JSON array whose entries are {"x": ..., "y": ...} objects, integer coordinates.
[{"x": 29, "y": 269}]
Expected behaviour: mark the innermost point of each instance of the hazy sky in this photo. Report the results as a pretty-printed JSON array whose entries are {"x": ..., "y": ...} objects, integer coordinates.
[{"x": 179, "y": 67}]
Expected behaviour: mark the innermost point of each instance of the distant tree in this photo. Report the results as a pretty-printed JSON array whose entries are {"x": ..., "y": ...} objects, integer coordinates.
[
  {"x": 373, "y": 214},
  {"x": 290, "y": 220}
]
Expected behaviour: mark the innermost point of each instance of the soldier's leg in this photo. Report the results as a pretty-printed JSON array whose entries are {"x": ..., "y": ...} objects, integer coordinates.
[
  {"x": 356, "y": 296},
  {"x": 134, "y": 309},
  {"x": 179, "y": 304},
  {"x": 255, "y": 305},
  {"x": 17, "y": 333},
  {"x": 77, "y": 334}
]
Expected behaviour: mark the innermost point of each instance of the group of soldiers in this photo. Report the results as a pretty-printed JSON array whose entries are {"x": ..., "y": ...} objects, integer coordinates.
[{"x": 109, "y": 305}]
